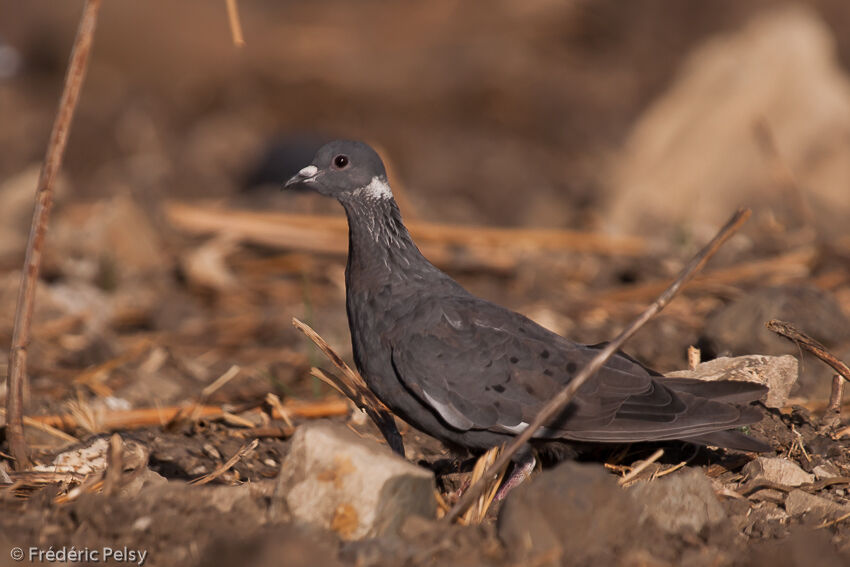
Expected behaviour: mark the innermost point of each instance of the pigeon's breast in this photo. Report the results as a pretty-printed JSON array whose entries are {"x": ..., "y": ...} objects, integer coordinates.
[{"x": 371, "y": 315}]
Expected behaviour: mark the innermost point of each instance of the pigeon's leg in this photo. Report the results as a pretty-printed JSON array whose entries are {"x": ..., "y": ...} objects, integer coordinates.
[
  {"x": 521, "y": 466},
  {"x": 386, "y": 424}
]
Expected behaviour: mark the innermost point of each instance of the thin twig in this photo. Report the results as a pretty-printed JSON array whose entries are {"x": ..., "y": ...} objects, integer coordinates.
[
  {"x": 159, "y": 416},
  {"x": 280, "y": 432},
  {"x": 32, "y": 260},
  {"x": 562, "y": 398},
  {"x": 836, "y": 394},
  {"x": 806, "y": 342},
  {"x": 671, "y": 470},
  {"x": 274, "y": 401},
  {"x": 114, "y": 465},
  {"x": 192, "y": 411},
  {"x": 235, "y": 24},
  {"x": 215, "y": 386},
  {"x": 207, "y": 478},
  {"x": 694, "y": 357},
  {"x": 835, "y": 521},
  {"x": 641, "y": 467},
  {"x": 46, "y": 428}
]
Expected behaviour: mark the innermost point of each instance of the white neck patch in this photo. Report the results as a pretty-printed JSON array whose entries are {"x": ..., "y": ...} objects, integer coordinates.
[{"x": 377, "y": 189}]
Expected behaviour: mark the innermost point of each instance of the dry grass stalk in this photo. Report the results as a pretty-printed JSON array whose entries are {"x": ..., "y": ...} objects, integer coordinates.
[
  {"x": 50, "y": 430},
  {"x": 633, "y": 474},
  {"x": 220, "y": 382},
  {"x": 442, "y": 505},
  {"x": 352, "y": 385},
  {"x": 353, "y": 381},
  {"x": 192, "y": 411},
  {"x": 694, "y": 357},
  {"x": 235, "y": 24},
  {"x": 38, "y": 229},
  {"x": 671, "y": 470},
  {"x": 562, "y": 398},
  {"x": 243, "y": 450},
  {"x": 84, "y": 415},
  {"x": 114, "y": 464},
  {"x": 837, "y": 520},
  {"x": 237, "y": 420},
  {"x": 483, "y": 247},
  {"x": 312, "y": 410},
  {"x": 477, "y": 512},
  {"x": 151, "y": 417},
  {"x": 278, "y": 432},
  {"x": 836, "y": 395},
  {"x": 274, "y": 402},
  {"x": 92, "y": 483},
  {"x": 214, "y": 387}
]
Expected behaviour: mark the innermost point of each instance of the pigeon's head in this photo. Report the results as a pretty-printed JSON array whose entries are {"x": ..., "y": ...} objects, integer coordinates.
[{"x": 346, "y": 170}]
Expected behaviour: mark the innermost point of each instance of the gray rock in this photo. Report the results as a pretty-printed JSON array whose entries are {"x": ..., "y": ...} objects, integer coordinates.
[
  {"x": 815, "y": 509},
  {"x": 779, "y": 373},
  {"x": 777, "y": 470},
  {"x": 336, "y": 480},
  {"x": 679, "y": 503},
  {"x": 826, "y": 470},
  {"x": 574, "y": 511},
  {"x": 143, "y": 479}
]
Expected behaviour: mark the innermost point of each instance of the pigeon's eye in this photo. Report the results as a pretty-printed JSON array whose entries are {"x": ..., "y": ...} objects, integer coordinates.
[{"x": 340, "y": 161}]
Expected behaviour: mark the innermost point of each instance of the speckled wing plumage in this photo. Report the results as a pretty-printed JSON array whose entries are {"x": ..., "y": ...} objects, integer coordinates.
[{"x": 482, "y": 367}]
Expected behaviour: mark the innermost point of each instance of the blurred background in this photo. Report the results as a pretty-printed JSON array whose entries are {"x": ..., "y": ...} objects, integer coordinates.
[
  {"x": 563, "y": 158},
  {"x": 648, "y": 121}
]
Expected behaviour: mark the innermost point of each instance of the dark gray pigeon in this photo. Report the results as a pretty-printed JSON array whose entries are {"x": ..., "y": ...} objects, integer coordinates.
[{"x": 472, "y": 373}]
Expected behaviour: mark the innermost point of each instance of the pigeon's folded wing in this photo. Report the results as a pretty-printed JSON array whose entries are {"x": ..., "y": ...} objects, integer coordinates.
[{"x": 480, "y": 366}]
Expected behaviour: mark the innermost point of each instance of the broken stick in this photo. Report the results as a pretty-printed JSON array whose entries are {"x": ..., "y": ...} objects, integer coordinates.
[
  {"x": 38, "y": 229},
  {"x": 806, "y": 342}
]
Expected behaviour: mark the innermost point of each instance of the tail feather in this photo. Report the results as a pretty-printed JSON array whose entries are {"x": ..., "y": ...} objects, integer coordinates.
[
  {"x": 730, "y": 391},
  {"x": 731, "y": 439}
]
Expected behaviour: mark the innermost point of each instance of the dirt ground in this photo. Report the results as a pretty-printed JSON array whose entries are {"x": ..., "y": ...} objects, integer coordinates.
[{"x": 174, "y": 259}]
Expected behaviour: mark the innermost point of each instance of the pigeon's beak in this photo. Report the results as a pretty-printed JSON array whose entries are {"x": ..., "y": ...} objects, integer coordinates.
[{"x": 306, "y": 175}]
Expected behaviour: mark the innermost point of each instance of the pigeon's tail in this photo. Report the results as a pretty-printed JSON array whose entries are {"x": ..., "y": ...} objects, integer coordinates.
[
  {"x": 729, "y": 391},
  {"x": 731, "y": 440}
]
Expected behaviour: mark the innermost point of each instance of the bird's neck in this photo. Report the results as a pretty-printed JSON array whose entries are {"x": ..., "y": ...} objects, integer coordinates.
[{"x": 380, "y": 246}]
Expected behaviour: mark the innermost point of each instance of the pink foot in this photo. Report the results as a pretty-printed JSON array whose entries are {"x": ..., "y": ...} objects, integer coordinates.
[{"x": 519, "y": 472}]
